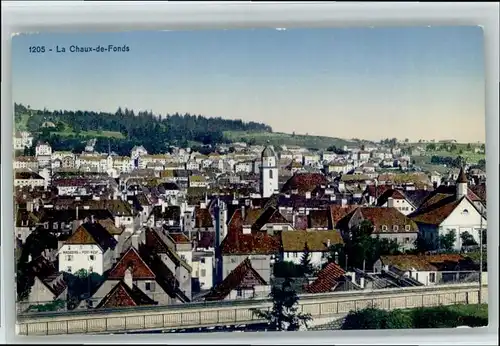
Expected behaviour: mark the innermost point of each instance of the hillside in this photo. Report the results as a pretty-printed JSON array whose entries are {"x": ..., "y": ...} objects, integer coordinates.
[
  {"x": 68, "y": 130},
  {"x": 279, "y": 138}
]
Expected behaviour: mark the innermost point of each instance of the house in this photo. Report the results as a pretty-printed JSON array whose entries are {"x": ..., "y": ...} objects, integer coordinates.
[
  {"x": 260, "y": 248},
  {"x": 328, "y": 279},
  {"x": 203, "y": 264},
  {"x": 28, "y": 178},
  {"x": 48, "y": 282},
  {"x": 387, "y": 223},
  {"x": 243, "y": 282},
  {"x": 428, "y": 269},
  {"x": 197, "y": 181},
  {"x": 158, "y": 243},
  {"x": 125, "y": 294},
  {"x": 445, "y": 212},
  {"x": 43, "y": 149},
  {"x": 294, "y": 243},
  {"x": 26, "y": 163},
  {"x": 303, "y": 183},
  {"x": 270, "y": 221},
  {"x": 396, "y": 199},
  {"x": 146, "y": 271},
  {"x": 90, "y": 247}
]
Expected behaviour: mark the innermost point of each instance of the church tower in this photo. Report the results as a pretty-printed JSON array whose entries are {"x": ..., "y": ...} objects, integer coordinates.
[
  {"x": 268, "y": 172},
  {"x": 461, "y": 184}
]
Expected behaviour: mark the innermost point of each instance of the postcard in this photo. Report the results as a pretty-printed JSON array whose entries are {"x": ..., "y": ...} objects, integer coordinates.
[{"x": 250, "y": 180}]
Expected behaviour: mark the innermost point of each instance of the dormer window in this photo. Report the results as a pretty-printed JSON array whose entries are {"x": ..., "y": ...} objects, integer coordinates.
[
  {"x": 384, "y": 228},
  {"x": 465, "y": 211},
  {"x": 395, "y": 228},
  {"x": 407, "y": 228}
]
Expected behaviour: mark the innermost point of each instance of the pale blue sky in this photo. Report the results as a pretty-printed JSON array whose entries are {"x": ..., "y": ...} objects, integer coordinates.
[{"x": 372, "y": 83}]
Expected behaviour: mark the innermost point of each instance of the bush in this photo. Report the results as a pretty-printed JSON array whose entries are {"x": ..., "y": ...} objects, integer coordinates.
[
  {"x": 369, "y": 318},
  {"x": 398, "y": 319},
  {"x": 436, "y": 317}
]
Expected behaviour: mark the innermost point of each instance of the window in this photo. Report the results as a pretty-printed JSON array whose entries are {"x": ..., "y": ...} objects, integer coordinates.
[
  {"x": 239, "y": 293},
  {"x": 69, "y": 257},
  {"x": 202, "y": 260},
  {"x": 432, "y": 277},
  {"x": 233, "y": 260},
  {"x": 295, "y": 255},
  {"x": 150, "y": 286},
  {"x": 203, "y": 273},
  {"x": 183, "y": 257},
  {"x": 68, "y": 269},
  {"x": 416, "y": 276},
  {"x": 91, "y": 258},
  {"x": 270, "y": 174},
  {"x": 407, "y": 228},
  {"x": 395, "y": 228},
  {"x": 91, "y": 269},
  {"x": 407, "y": 240},
  {"x": 384, "y": 228},
  {"x": 465, "y": 212}
]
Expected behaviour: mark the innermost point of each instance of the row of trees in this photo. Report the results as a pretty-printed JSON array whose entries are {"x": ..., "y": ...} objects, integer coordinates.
[{"x": 457, "y": 162}]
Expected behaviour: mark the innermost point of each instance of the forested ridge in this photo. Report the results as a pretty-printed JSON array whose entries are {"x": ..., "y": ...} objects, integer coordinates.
[{"x": 124, "y": 129}]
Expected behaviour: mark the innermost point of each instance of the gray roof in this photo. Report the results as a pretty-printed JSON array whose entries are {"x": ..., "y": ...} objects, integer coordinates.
[{"x": 268, "y": 152}]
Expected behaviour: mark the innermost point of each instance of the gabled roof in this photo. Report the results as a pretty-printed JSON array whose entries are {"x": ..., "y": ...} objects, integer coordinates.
[
  {"x": 156, "y": 244},
  {"x": 269, "y": 216},
  {"x": 122, "y": 295},
  {"x": 391, "y": 193},
  {"x": 436, "y": 213},
  {"x": 237, "y": 243},
  {"x": 131, "y": 259},
  {"x": 328, "y": 278},
  {"x": 243, "y": 276},
  {"x": 338, "y": 212},
  {"x": 92, "y": 234}
]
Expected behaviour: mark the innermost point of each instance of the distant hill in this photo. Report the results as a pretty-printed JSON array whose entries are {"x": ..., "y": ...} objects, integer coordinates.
[{"x": 122, "y": 130}]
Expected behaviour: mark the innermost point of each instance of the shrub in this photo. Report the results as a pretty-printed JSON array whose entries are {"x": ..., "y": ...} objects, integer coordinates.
[{"x": 435, "y": 317}]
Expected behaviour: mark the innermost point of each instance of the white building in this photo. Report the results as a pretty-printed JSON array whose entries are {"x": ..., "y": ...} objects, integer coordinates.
[
  {"x": 90, "y": 247},
  {"x": 203, "y": 268},
  {"x": 317, "y": 243},
  {"x": 269, "y": 173},
  {"x": 28, "y": 178},
  {"x": 43, "y": 149}
]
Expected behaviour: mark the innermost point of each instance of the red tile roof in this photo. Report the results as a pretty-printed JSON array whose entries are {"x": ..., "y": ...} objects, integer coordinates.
[
  {"x": 237, "y": 243},
  {"x": 436, "y": 213},
  {"x": 480, "y": 191},
  {"x": 327, "y": 279},
  {"x": 338, "y": 212},
  {"x": 92, "y": 234},
  {"x": 242, "y": 277},
  {"x": 304, "y": 182},
  {"x": 131, "y": 258},
  {"x": 390, "y": 217},
  {"x": 121, "y": 295},
  {"x": 422, "y": 262},
  {"x": 179, "y": 238},
  {"x": 376, "y": 191}
]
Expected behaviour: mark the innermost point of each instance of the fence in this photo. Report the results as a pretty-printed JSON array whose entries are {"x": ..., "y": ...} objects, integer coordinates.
[{"x": 231, "y": 312}]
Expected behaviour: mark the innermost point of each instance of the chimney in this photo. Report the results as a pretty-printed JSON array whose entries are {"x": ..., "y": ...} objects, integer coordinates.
[
  {"x": 328, "y": 243},
  {"x": 362, "y": 281},
  {"x": 243, "y": 213},
  {"x": 343, "y": 202},
  {"x": 127, "y": 278},
  {"x": 308, "y": 195},
  {"x": 390, "y": 202},
  {"x": 92, "y": 220}
]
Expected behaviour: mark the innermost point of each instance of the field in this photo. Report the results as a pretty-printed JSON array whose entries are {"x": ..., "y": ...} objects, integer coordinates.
[
  {"x": 91, "y": 134},
  {"x": 278, "y": 138}
]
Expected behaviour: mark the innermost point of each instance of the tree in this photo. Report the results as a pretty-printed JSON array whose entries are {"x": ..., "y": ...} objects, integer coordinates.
[
  {"x": 305, "y": 261},
  {"x": 422, "y": 245},
  {"x": 467, "y": 239},
  {"x": 373, "y": 318},
  {"x": 447, "y": 241},
  {"x": 284, "y": 314}
]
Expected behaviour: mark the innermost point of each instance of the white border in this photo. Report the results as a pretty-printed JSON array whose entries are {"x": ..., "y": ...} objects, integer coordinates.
[{"x": 31, "y": 16}]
